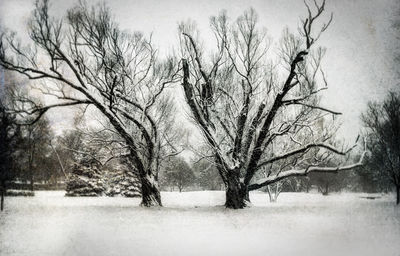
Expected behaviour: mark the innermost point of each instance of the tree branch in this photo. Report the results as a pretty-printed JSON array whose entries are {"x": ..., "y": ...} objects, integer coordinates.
[{"x": 303, "y": 172}]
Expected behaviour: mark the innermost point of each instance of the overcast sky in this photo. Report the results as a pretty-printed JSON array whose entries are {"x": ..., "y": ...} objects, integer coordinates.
[{"x": 360, "y": 42}]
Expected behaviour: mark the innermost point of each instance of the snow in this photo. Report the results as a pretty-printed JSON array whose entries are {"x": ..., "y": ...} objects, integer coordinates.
[{"x": 196, "y": 223}]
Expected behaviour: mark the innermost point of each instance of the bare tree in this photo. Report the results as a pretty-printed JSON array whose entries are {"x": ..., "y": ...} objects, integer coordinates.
[
  {"x": 178, "y": 173},
  {"x": 324, "y": 132},
  {"x": 275, "y": 189},
  {"x": 85, "y": 59},
  {"x": 10, "y": 138},
  {"x": 37, "y": 138},
  {"x": 241, "y": 105},
  {"x": 382, "y": 121}
]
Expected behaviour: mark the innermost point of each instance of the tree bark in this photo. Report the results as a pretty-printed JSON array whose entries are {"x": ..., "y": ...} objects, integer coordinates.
[
  {"x": 397, "y": 195},
  {"x": 237, "y": 195},
  {"x": 150, "y": 193}
]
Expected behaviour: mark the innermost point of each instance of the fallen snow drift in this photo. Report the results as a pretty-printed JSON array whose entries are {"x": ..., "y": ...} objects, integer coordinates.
[{"x": 196, "y": 223}]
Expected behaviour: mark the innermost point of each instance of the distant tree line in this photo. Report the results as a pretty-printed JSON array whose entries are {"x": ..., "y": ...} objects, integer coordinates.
[{"x": 179, "y": 175}]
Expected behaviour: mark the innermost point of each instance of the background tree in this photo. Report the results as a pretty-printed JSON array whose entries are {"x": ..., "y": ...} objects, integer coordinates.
[
  {"x": 178, "y": 173},
  {"x": 367, "y": 180},
  {"x": 85, "y": 59},
  {"x": 37, "y": 145},
  {"x": 382, "y": 123},
  {"x": 241, "y": 105},
  {"x": 8, "y": 142},
  {"x": 67, "y": 145},
  {"x": 10, "y": 137},
  {"x": 323, "y": 181},
  {"x": 274, "y": 190},
  {"x": 207, "y": 175},
  {"x": 299, "y": 184}
]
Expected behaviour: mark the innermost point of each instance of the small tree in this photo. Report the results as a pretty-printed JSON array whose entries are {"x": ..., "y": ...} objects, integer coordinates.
[
  {"x": 66, "y": 146},
  {"x": 323, "y": 181},
  {"x": 178, "y": 173},
  {"x": 382, "y": 122},
  {"x": 37, "y": 139},
  {"x": 274, "y": 190}
]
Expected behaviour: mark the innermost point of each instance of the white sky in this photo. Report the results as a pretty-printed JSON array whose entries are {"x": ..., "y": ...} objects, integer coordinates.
[{"x": 360, "y": 42}]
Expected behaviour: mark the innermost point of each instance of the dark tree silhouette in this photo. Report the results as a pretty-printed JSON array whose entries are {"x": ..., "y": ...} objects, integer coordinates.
[
  {"x": 382, "y": 121},
  {"x": 9, "y": 139}
]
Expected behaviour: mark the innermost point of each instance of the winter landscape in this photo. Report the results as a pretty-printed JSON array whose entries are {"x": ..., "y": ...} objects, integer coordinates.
[{"x": 191, "y": 127}]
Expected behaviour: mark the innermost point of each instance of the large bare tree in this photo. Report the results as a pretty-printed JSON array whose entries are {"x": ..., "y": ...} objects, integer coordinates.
[
  {"x": 246, "y": 100},
  {"x": 85, "y": 59}
]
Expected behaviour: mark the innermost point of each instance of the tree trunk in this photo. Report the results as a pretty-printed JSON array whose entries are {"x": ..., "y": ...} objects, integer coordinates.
[
  {"x": 2, "y": 199},
  {"x": 31, "y": 179},
  {"x": 31, "y": 182},
  {"x": 30, "y": 163},
  {"x": 397, "y": 194},
  {"x": 269, "y": 193},
  {"x": 237, "y": 195},
  {"x": 272, "y": 195},
  {"x": 326, "y": 191},
  {"x": 150, "y": 193},
  {"x": 2, "y": 191}
]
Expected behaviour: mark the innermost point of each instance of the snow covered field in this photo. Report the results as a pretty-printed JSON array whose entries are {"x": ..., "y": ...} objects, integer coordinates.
[{"x": 192, "y": 223}]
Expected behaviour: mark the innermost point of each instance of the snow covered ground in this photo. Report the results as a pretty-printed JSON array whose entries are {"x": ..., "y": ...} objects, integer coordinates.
[{"x": 195, "y": 223}]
